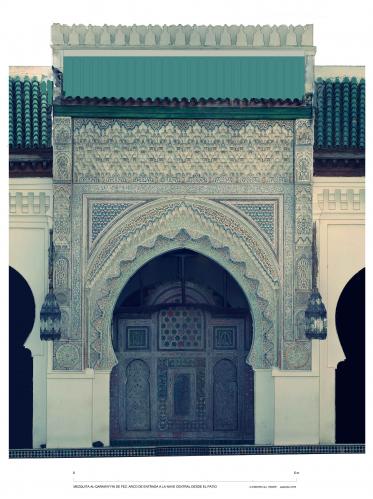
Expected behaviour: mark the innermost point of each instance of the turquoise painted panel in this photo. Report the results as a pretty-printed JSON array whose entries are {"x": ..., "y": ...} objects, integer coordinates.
[{"x": 216, "y": 77}]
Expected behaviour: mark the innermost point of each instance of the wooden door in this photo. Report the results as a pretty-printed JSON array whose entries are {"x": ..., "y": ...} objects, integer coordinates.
[{"x": 181, "y": 375}]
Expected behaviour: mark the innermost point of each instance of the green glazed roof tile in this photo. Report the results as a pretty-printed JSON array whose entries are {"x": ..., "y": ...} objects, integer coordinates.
[
  {"x": 361, "y": 115},
  {"x": 11, "y": 114},
  {"x": 30, "y": 109},
  {"x": 340, "y": 113}
]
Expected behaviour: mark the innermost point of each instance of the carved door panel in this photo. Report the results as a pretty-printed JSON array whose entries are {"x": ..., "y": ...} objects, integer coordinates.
[{"x": 181, "y": 374}]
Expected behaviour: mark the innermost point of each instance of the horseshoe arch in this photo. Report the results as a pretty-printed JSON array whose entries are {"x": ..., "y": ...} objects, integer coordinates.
[{"x": 203, "y": 226}]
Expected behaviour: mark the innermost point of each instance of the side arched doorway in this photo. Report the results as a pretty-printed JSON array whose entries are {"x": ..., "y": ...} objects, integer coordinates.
[
  {"x": 21, "y": 321},
  {"x": 182, "y": 331},
  {"x": 350, "y": 375}
]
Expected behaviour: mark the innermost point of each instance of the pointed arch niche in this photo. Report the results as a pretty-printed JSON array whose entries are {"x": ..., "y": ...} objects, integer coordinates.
[
  {"x": 198, "y": 225},
  {"x": 182, "y": 331},
  {"x": 213, "y": 231}
]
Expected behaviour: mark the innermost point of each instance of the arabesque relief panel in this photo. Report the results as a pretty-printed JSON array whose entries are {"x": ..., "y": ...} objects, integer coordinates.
[
  {"x": 255, "y": 174},
  {"x": 200, "y": 151}
]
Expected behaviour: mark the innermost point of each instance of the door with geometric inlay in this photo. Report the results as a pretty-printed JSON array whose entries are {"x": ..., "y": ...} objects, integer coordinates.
[{"x": 181, "y": 375}]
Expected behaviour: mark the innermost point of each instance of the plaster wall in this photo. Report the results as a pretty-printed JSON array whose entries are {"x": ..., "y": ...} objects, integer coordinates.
[
  {"x": 303, "y": 407},
  {"x": 264, "y": 406},
  {"x": 340, "y": 72},
  {"x": 339, "y": 212},
  {"x": 296, "y": 410},
  {"x": 30, "y": 219},
  {"x": 78, "y": 408},
  {"x": 69, "y": 411}
]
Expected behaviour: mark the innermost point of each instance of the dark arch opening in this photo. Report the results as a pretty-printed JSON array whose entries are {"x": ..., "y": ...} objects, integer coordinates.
[
  {"x": 350, "y": 375},
  {"x": 21, "y": 321},
  {"x": 178, "y": 319},
  {"x": 183, "y": 266}
]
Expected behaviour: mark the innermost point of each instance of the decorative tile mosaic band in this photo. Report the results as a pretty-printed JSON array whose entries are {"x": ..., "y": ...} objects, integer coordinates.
[{"x": 185, "y": 450}]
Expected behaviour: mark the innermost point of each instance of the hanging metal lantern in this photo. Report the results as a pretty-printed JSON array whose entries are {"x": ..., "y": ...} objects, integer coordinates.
[
  {"x": 50, "y": 318},
  {"x": 50, "y": 314},
  {"x": 316, "y": 321},
  {"x": 315, "y": 316}
]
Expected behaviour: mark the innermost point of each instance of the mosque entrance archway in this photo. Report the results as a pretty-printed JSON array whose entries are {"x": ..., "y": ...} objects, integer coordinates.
[
  {"x": 21, "y": 321},
  {"x": 182, "y": 331},
  {"x": 350, "y": 374}
]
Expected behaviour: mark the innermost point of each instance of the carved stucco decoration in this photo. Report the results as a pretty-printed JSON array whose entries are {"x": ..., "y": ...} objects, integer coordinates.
[
  {"x": 303, "y": 217},
  {"x": 61, "y": 163},
  {"x": 103, "y": 213},
  {"x": 62, "y": 215},
  {"x": 181, "y": 36},
  {"x": 191, "y": 214},
  {"x": 62, "y": 199},
  {"x": 300, "y": 325},
  {"x": 67, "y": 355},
  {"x": 30, "y": 203},
  {"x": 62, "y": 148},
  {"x": 65, "y": 323},
  {"x": 303, "y": 165},
  {"x": 296, "y": 354},
  {"x": 303, "y": 273},
  {"x": 189, "y": 223},
  {"x": 221, "y": 181},
  {"x": 264, "y": 214},
  {"x": 337, "y": 200},
  {"x": 177, "y": 151},
  {"x": 61, "y": 266},
  {"x": 304, "y": 132},
  {"x": 62, "y": 130}
]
